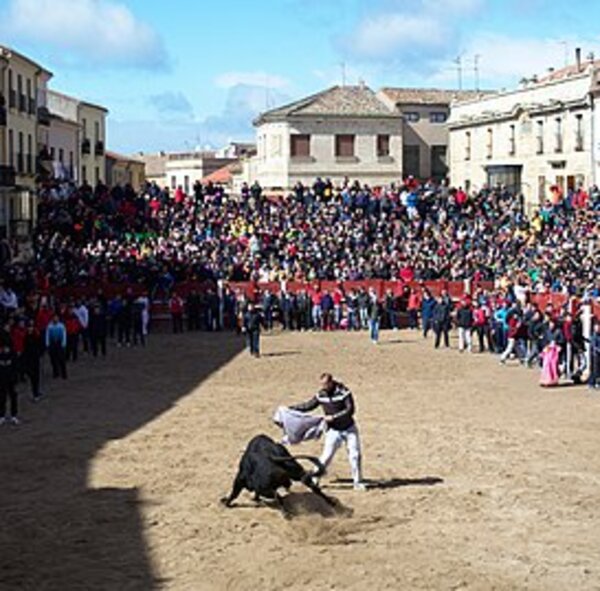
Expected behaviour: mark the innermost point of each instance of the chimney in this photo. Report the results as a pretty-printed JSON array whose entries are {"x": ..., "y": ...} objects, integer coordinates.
[{"x": 578, "y": 59}]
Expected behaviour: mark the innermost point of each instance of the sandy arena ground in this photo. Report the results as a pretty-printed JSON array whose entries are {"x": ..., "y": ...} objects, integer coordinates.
[{"x": 481, "y": 479}]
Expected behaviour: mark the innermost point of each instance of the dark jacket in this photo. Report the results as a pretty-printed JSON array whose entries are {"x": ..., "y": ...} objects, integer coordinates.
[
  {"x": 338, "y": 404},
  {"x": 464, "y": 317},
  {"x": 253, "y": 321}
]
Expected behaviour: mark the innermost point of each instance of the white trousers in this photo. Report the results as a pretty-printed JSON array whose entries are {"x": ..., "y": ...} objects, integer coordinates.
[
  {"x": 464, "y": 339},
  {"x": 333, "y": 440}
]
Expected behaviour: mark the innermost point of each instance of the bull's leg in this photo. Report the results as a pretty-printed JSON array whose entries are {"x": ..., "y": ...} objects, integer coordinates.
[
  {"x": 238, "y": 485},
  {"x": 308, "y": 481}
]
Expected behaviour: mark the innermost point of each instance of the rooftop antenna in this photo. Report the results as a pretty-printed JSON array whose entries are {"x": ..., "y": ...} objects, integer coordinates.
[
  {"x": 476, "y": 59},
  {"x": 458, "y": 62}
]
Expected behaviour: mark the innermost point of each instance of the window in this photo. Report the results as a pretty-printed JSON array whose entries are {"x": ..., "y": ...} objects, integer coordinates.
[
  {"x": 412, "y": 117},
  {"x": 579, "y": 133},
  {"x": 300, "y": 146},
  {"x": 512, "y": 141},
  {"x": 490, "y": 143},
  {"x": 344, "y": 146},
  {"x": 84, "y": 174},
  {"x": 541, "y": 188},
  {"x": 52, "y": 153},
  {"x": 173, "y": 182},
  {"x": 20, "y": 163},
  {"x": 12, "y": 96},
  {"x": 84, "y": 125},
  {"x": 97, "y": 175},
  {"x": 29, "y": 153},
  {"x": 96, "y": 131},
  {"x": 186, "y": 184},
  {"x": 438, "y": 117},
  {"x": 383, "y": 146},
  {"x": 468, "y": 145},
  {"x": 558, "y": 135},
  {"x": 61, "y": 155},
  {"x": 11, "y": 148},
  {"x": 540, "y": 137},
  {"x": 71, "y": 164}
]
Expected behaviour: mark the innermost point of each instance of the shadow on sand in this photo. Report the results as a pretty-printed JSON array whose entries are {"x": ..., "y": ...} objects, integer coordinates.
[
  {"x": 388, "y": 483},
  {"x": 58, "y": 533}
]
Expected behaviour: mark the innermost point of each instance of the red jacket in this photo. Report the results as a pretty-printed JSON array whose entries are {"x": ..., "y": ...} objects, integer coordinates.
[
  {"x": 17, "y": 335},
  {"x": 176, "y": 305}
]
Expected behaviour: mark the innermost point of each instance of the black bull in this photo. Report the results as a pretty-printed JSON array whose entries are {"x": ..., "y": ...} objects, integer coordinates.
[{"x": 267, "y": 466}]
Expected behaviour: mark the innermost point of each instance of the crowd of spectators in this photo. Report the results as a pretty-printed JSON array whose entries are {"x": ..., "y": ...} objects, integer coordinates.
[
  {"x": 417, "y": 232},
  {"x": 151, "y": 242}
]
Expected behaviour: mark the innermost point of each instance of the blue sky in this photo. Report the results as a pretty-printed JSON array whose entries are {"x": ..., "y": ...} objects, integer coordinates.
[{"x": 195, "y": 72}]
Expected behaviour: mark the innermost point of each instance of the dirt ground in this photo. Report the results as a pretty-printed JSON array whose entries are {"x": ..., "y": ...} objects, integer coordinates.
[{"x": 479, "y": 478}]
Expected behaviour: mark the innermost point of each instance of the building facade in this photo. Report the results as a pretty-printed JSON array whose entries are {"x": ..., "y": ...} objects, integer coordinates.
[
  {"x": 184, "y": 169},
  {"x": 123, "y": 170},
  {"x": 425, "y": 136},
  {"x": 534, "y": 139},
  {"x": 23, "y": 119},
  {"x": 343, "y": 132},
  {"x": 88, "y": 121}
]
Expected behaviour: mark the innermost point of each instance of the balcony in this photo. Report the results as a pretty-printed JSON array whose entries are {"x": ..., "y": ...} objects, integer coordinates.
[
  {"x": 43, "y": 115},
  {"x": 99, "y": 148},
  {"x": 7, "y": 176},
  {"x": 86, "y": 146},
  {"x": 22, "y": 103}
]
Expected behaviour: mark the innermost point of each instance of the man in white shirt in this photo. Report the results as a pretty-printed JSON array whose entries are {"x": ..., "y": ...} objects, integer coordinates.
[{"x": 83, "y": 316}]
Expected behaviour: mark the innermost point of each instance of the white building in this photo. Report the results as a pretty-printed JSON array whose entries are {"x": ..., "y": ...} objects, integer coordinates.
[
  {"x": 184, "y": 169},
  {"x": 78, "y": 127},
  {"x": 344, "y": 131},
  {"x": 541, "y": 135}
]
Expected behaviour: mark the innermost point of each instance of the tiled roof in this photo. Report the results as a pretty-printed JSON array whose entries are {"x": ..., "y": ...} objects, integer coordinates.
[
  {"x": 430, "y": 96},
  {"x": 222, "y": 176},
  {"x": 340, "y": 101},
  {"x": 568, "y": 71}
]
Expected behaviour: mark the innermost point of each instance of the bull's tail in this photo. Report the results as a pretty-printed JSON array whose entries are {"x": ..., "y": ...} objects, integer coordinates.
[{"x": 320, "y": 467}]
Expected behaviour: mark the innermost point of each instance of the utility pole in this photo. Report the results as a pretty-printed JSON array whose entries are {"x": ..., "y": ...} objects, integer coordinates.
[
  {"x": 476, "y": 58},
  {"x": 458, "y": 62}
]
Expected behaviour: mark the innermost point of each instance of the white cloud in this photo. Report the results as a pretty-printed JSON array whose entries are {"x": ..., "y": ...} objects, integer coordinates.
[
  {"x": 102, "y": 32},
  {"x": 386, "y": 34},
  {"x": 232, "y": 79},
  {"x": 410, "y": 34}
]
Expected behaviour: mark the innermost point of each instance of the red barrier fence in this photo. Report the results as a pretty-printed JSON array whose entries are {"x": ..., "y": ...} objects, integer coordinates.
[{"x": 456, "y": 289}]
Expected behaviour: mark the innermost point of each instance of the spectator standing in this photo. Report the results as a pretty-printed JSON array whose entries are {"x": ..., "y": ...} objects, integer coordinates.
[
  {"x": 253, "y": 322},
  {"x": 8, "y": 392},
  {"x": 56, "y": 343},
  {"x": 176, "y": 309},
  {"x": 32, "y": 354}
]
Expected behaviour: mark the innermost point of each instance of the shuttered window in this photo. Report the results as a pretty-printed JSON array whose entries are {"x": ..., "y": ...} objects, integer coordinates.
[
  {"x": 300, "y": 146},
  {"x": 344, "y": 146},
  {"x": 383, "y": 146}
]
